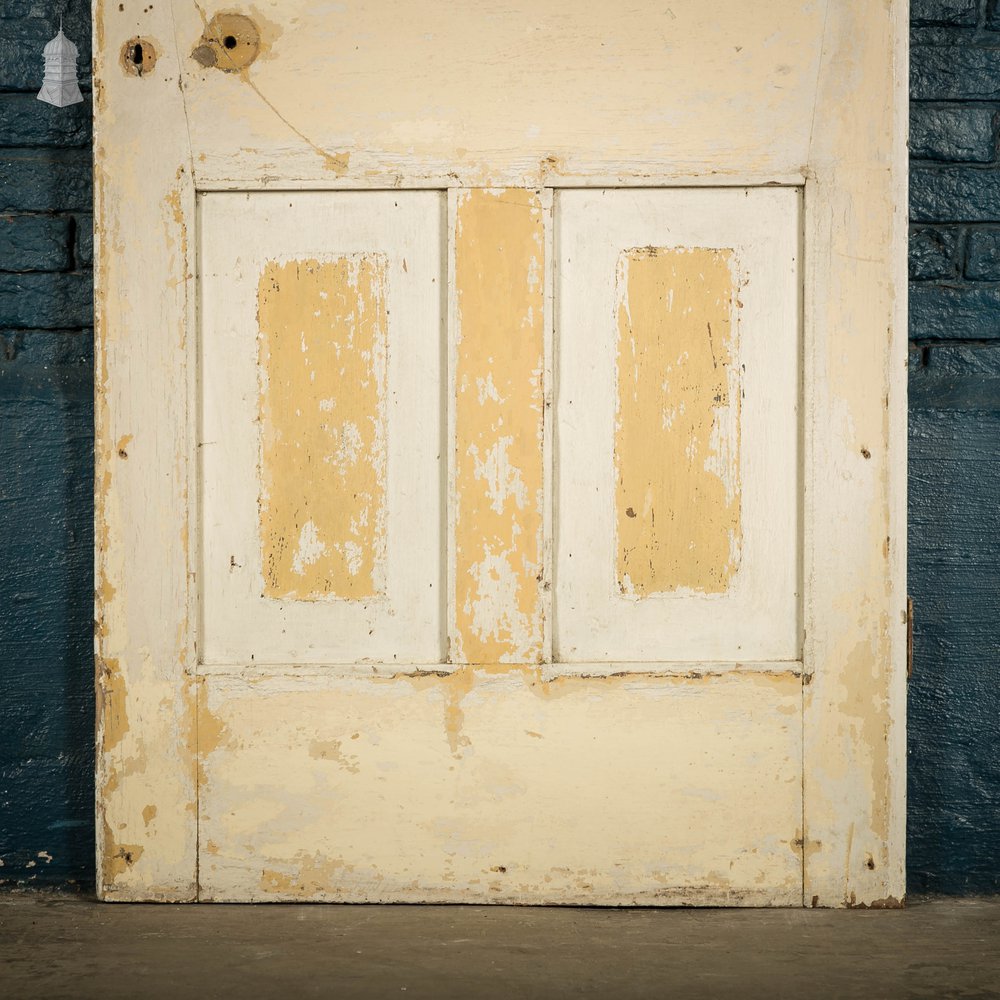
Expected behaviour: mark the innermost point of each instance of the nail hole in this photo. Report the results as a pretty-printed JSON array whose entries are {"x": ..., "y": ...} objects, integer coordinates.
[
  {"x": 229, "y": 41},
  {"x": 136, "y": 54},
  {"x": 866, "y": 453}
]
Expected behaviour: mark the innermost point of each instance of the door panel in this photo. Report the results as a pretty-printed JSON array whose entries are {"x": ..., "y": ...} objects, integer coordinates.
[
  {"x": 499, "y": 475},
  {"x": 322, "y": 427},
  {"x": 500, "y": 779},
  {"x": 678, "y": 534},
  {"x": 499, "y": 786}
]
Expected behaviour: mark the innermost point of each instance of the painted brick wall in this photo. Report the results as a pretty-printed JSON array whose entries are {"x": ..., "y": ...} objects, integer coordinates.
[
  {"x": 954, "y": 535},
  {"x": 46, "y": 713},
  {"x": 46, "y": 464}
]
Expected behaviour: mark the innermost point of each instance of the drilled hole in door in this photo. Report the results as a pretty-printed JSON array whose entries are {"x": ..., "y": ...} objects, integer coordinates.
[{"x": 138, "y": 56}]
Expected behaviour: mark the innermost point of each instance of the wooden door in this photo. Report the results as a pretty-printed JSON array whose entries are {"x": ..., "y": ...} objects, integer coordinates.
[{"x": 500, "y": 454}]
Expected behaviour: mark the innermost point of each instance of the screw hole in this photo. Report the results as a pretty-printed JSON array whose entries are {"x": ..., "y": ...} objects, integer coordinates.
[{"x": 229, "y": 41}]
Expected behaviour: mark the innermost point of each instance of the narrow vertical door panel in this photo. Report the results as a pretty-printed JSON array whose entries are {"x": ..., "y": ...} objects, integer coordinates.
[
  {"x": 498, "y": 499},
  {"x": 677, "y": 426}
]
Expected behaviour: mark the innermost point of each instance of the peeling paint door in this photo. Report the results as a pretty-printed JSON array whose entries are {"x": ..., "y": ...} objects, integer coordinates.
[{"x": 499, "y": 490}]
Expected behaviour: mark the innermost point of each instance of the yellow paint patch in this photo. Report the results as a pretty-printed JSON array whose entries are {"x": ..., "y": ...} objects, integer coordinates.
[
  {"x": 322, "y": 362},
  {"x": 111, "y": 697},
  {"x": 311, "y": 874},
  {"x": 499, "y": 404},
  {"x": 116, "y": 859},
  {"x": 333, "y": 750},
  {"x": 677, "y": 498}
]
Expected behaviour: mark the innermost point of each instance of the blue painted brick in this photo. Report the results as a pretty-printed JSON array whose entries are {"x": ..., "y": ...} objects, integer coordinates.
[
  {"x": 963, "y": 134},
  {"x": 46, "y": 608},
  {"x": 961, "y": 12},
  {"x": 946, "y": 312},
  {"x": 26, "y": 121},
  {"x": 84, "y": 240},
  {"x": 35, "y": 242},
  {"x": 936, "y": 34},
  {"x": 954, "y": 377},
  {"x": 954, "y": 73},
  {"x": 954, "y": 194},
  {"x": 45, "y": 180},
  {"x": 47, "y": 347},
  {"x": 932, "y": 254},
  {"x": 982, "y": 255},
  {"x": 47, "y": 301},
  {"x": 954, "y": 697}
]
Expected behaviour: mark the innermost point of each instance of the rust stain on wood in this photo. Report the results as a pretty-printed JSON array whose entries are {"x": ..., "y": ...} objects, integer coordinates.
[
  {"x": 499, "y": 268},
  {"x": 322, "y": 363},
  {"x": 677, "y": 421}
]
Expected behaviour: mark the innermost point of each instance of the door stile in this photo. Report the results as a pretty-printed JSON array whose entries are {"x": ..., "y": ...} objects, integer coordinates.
[
  {"x": 144, "y": 474},
  {"x": 854, "y": 769}
]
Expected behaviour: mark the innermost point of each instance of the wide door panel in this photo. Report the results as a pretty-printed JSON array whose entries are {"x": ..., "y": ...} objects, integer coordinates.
[{"x": 501, "y": 786}]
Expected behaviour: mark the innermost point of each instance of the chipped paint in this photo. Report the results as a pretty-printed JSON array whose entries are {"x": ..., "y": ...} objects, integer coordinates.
[
  {"x": 386, "y": 88},
  {"x": 230, "y": 42},
  {"x": 322, "y": 358},
  {"x": 309, "y": 874},
  {"x": 117, "y": 858},
  {"x": 410, "y": 819},
  {"x": 138, "y": 56},
  {"x": 677, "y": 497},
  {"x": 111, "y": 704},
  {"x": 498, "y": 475},
  {"x": 502, "y": 756}
]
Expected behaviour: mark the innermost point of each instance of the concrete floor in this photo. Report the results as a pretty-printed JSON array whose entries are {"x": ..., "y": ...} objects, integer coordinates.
[{"x": 70, "y": 947}]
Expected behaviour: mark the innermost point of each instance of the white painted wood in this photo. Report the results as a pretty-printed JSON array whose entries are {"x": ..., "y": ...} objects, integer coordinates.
[
  {"x": 501, "y": 787},
  {"x": 238, "y": 234},
  {"x": 145, "y": 482},
  {"x": 855, "y": 463},
  {"x": 683, "y": 780},
  {"x": 475, "y": 95},
  {"x": 546, "y": 671},
  {"x": 758, "y": 617}
]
